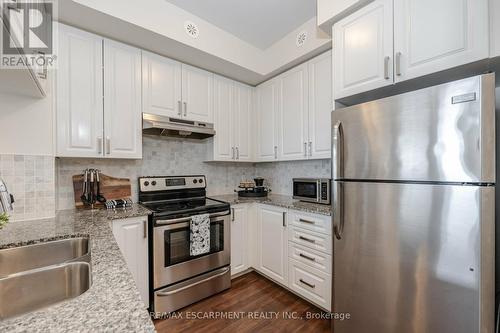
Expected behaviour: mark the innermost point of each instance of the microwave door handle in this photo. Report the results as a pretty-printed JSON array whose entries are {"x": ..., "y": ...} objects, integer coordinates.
[
  {"x": 338, "y": 187},
  {"x": 318, "y": 191}
]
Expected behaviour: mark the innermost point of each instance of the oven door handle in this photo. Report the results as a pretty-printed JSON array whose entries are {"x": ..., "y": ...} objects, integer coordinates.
[
  {"x": 168, "y": 293},
  {"x": 187, "y": 219}
]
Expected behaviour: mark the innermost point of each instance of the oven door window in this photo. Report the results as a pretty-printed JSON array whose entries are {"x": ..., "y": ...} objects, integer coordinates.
[
  {"x": 177, "y": 243},
  {"x": 305, "y": 189}
]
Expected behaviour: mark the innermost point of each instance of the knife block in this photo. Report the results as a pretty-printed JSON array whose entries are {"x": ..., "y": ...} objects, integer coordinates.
[{"x": 111, "y": 188}]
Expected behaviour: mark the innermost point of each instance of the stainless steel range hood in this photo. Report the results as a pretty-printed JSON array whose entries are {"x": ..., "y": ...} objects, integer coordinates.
[{"x": 179, "y": 128}]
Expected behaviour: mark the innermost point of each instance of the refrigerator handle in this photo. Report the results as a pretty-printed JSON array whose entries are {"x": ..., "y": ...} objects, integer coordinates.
[{"x": 338, "y": 173}]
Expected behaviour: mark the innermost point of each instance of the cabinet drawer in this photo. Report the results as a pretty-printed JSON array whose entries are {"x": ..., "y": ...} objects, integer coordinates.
[
  {"x": 314, "y": 222},
  {"x": 310, "y": 283},
  {"x": 311, "y": 239},
  {"x": 310, "y": 257}
]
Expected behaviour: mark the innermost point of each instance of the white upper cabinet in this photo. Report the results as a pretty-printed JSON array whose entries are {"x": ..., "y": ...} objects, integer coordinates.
[
  {"x": 98, "y": 105},
  {"x": 197, "y": 94},
  {"x": 161, "y": 84},
  {"x": 494, "y": 28},
  {"x": 223, "y": 120},
  {"x": 267, "y": 115},
  {"x": 79, "y": 99},
  {"x": 389, "y": 41},
  {"x": 233, "y": 140},
  {"x": 243, "y": 135},
  {"x": 293, "y": 114},
  {"x": 122, "y": 100},
  {"x": 363, "y": 49},
  {"x": 320, "y": 106},
  {"x": 430, "y": 36},
  {"x": 272, "y": 242}
]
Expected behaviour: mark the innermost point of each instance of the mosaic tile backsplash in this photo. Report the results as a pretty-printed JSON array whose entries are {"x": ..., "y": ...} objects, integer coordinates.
[
  {"x": 167, "y": 156},
  {"x": 30, "y": 179},
  {"x": 161, "y": 157}
]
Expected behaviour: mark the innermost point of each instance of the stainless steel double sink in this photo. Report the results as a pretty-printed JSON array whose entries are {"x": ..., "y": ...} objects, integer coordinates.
[{"x": 43, "y": 274}]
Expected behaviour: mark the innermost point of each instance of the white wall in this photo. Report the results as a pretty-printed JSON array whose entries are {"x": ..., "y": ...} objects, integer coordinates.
[
  {"x": 26, "y": 125},
  {"x": 495, "y": 27}
]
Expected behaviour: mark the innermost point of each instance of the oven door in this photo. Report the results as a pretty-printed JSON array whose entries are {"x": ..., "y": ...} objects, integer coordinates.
[
  {"x": 306, "y": 189},
  {"x": 172, "y": 260}
]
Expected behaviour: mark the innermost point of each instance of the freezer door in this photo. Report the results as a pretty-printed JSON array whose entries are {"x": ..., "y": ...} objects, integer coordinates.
[
  {"x": 415, "y": 259},
  {"x": 444, "y": 133}
]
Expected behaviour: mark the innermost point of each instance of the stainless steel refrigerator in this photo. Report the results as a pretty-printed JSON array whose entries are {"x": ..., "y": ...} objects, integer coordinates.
[{"x": 414, "y": 198}]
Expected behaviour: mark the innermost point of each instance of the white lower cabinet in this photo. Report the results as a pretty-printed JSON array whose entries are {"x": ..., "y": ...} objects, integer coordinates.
[
  {"x": 310, "y": 283},
  {"x": 239, "y": 239},
  {"x": 298, "y": 259},
  {"x": 272, "y": 242},
  {"x": 132, "y": 237}
]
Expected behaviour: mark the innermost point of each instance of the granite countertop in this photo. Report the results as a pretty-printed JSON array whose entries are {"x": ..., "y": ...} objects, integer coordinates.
[
  {"x": 112, "y": 303},
  {"x": 278, "y": 200}
]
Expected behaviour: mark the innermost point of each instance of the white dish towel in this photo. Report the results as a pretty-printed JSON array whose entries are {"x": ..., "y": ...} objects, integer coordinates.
[{"x": 200, "y": 234}]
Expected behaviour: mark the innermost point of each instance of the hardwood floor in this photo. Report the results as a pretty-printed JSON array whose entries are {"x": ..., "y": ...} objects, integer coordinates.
[{"x": 256, "y": 304}]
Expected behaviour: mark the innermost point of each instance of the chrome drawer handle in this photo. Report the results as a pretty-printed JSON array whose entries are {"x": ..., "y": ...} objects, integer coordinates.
[
  {"x": 306, "y": 221},
  {"x": 307, "y": 239},
  {"x": 307, "y": 284},
  {"x": 307, "y": 257}
]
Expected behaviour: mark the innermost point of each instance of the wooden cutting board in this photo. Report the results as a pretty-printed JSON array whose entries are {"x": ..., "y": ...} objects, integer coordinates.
[{"x": 111, "y": 188}]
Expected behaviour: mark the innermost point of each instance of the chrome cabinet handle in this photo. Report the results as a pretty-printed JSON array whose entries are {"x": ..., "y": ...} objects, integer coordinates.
[
  {"x": 145, "y": 229},
  {"x": 386, "y": 67},
  {"x": 237, "y": 153},
  {"x": 307, "y": 257},
  {"x": 276, "y": 152},
  {"x": 307, "y": 221},
  {"x": 307, "y": 239},
  {"x": 185, "y": 109},
  {"x": 310, "y": 149},
  {"x": 232, "y": 153},
  {"x": 179, "y": 106},
  {"x": 284, "y": 219},
  {"x": 232, "y": 214},
  {"x": 398, "y": 63},
  {"x": 337, "y": 175},
  {"x": 305, "y": 149},
  {"x": 108, "y": 145},
  {"x": 99, "y": 145},
  {"x": 307, "y": 284}
]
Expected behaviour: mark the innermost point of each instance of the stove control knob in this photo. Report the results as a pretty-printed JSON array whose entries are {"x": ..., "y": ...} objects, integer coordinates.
[
  {"x": 195, "y": 181},
  {"x": 146, "y": 183},
  {"x": 201, "y": 180},
  {"x": 153, "y": 183}
]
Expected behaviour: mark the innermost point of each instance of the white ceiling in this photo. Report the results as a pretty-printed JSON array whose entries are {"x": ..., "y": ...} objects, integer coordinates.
[{"x": 258, "y": 22}]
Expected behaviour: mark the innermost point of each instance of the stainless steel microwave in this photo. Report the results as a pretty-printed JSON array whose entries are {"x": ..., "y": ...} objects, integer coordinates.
[{"x": 315, "y": 190}]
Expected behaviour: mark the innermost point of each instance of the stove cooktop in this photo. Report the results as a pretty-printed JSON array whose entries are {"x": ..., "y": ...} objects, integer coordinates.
[{"x": 186, "y": 207}]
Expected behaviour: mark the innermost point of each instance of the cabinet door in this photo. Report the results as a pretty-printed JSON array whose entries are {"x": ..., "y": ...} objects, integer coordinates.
[
  {"x": 79, "y": 99},
  {"x": 197, "y": 94},
  {"x": 161, "y": 85},
  {"x": 239, "y": 239},
  {"x": 267, "y": 114},
  {"x": 272, "y": 243},
  {"x": 122, "y": 101},
  {"x": 243, "y": 124},
  {"x": 430, "y": 36},
  {"x": 363, "y": 49},
  {"x": 293, "y": 114},
  {"x": 223, "y": 119},
  {"x": 132, "y": 238},
  {"x": 320, "y": 106}
]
